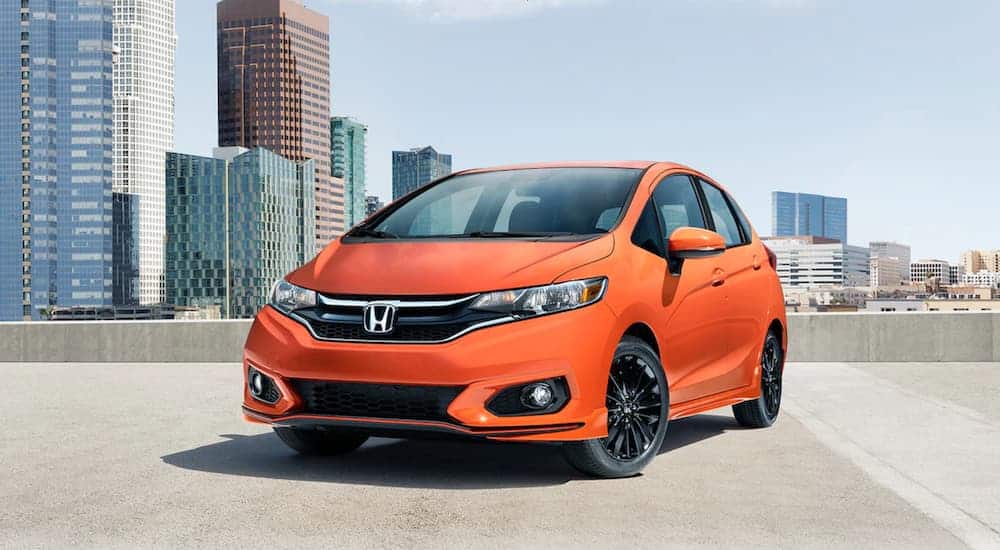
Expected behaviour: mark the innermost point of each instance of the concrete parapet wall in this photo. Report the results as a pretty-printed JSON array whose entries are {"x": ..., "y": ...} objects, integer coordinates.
[
  {"x": 894, "y": 337},
  {"x": 813, "y": 337}
]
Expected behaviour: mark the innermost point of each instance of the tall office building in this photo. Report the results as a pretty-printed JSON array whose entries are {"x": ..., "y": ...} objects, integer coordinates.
[
  {"x": 145, "y": 42},
  {"x": 236, "y": 224},
  {"x": 347, "y": 159},
  {"x": 56, "y": 123},
  {"x": 274, "y": 91},
  {"x": 795, "y": 214},
  {"x": 417, "y": 167}
]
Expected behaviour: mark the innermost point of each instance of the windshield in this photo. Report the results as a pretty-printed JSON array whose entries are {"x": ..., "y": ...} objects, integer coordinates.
[{"x": 539, "y": 203}]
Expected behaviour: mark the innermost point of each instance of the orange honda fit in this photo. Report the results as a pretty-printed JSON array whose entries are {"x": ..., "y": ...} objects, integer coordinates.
[{"x": 584, "y": 303}]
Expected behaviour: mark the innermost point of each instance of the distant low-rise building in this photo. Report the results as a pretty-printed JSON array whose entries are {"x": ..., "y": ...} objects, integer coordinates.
[
  {"x": 963, "y": 305},
  {"x": 417, "y": 167},
  {"x": 372, "y": 205},
  {"x": 236, "y": 222},
  {"x": 825, "y": 298},
  {"x": 818, "y": 262},
  {"x": 889, "y": 264},
  {"x": 956, "y": 273},
  {"x": 969, "y": 293},
  {"x": 921, "y": 271},
  {"x": 887, "y": 272},
  {"x": 989, "y": 279},
  {"x": 890, "y": 306}
]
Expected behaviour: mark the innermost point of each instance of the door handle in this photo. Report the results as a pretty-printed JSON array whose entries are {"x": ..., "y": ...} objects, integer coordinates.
[
  {"x": 756, "y": 262},
  {"x": 718, "y": 277}
]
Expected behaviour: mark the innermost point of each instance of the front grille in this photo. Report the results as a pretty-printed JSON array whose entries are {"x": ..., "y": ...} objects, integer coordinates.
[
  {"x": 376, "y": 400},
  {"x": 403, "y": 333},
  {"x": 419, "y": 320}
]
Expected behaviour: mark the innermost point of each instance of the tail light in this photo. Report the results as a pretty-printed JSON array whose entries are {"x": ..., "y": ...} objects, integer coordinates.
[{"x": 772, "y": 258}]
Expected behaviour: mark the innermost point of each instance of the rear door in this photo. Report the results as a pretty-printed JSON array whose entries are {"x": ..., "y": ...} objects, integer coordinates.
[{"x": 742, "y": 311}]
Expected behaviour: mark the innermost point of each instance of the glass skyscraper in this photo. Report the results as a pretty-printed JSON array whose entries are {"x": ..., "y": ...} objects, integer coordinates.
[
  {"x": 236, "y": 223},
  {"x": 56, "y": 125},
  {"x": 347, "y": 160},
  {"x": 417, "y": 167},
  {"x": 801, "y": 214}
]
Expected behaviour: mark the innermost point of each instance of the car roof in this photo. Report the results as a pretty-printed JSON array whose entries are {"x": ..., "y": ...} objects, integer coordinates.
[{"x": 637, "y": 164}]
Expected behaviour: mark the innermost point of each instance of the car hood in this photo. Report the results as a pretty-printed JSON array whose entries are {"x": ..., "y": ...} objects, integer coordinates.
[{"x": 403, "y": 268}]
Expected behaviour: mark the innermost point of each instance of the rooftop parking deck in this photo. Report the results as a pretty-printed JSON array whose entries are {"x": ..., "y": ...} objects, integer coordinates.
[{"x": 147, "y": 454}]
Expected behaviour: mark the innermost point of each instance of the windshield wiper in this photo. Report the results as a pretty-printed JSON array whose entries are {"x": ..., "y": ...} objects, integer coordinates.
[
  {"x": 373, "y": 233},
  {"x": 512, "y": 234}
]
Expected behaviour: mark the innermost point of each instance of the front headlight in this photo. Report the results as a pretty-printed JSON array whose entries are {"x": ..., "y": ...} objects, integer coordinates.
[
  {"x": 286, "y": 297},
  {"x": 540, "y": 300}
]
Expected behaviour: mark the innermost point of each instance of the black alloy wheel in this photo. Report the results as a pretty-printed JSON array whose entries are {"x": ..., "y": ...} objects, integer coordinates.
[
  {"x": 770, "y": 381},
  {"x": 638, "y": 404},
  {"x": 763, "y": 411},
  {"x": 634, "y": 405}
]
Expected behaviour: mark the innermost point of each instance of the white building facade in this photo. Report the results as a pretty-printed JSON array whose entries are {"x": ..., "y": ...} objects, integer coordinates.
[
  {"x": 145, "y": 38},
  {"x": 987, "y": 279},
  {"x": 922, "y": 270},
  {"x": 818, "y": 262}
]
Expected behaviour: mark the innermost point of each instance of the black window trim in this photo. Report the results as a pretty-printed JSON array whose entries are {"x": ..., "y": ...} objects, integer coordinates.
[{"x": 659, "y": 228}]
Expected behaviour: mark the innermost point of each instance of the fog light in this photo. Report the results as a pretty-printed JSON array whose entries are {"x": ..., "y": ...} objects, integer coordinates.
[
  {"x": 531, "y": 398},
  {"x": 256, "y": 384},
  {"x": 537, "y": 396},
  {"x": 262, "y": 387}
]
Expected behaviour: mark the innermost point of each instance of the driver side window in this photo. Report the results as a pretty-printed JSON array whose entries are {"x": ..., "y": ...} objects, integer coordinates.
[{"x": 678, "y": 204}]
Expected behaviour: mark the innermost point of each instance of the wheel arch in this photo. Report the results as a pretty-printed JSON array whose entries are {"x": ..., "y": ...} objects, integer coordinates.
[
  {"x": 643, "y": 332},
  {"x": 778, "y": 328}
]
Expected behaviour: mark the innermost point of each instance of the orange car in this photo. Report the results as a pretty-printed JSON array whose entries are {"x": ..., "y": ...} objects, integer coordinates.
[{"x": 585, "y": 303}]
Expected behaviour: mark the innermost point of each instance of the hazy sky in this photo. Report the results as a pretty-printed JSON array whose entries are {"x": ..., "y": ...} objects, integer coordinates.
[{"x": 893, "y": 104}]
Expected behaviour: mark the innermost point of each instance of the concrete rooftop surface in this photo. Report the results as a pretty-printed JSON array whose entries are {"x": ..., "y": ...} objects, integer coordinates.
[{"x": 151, "y": 455}]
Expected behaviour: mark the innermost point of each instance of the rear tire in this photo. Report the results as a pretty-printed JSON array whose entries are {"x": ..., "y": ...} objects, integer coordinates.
[
  {"x": 638, "y": 403},
  {"x": 321, "y": 442},
  {"x": 763, "y": 411}
]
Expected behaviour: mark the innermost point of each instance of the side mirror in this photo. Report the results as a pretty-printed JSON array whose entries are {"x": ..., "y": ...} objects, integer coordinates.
[{"x": 688, "y": 243}]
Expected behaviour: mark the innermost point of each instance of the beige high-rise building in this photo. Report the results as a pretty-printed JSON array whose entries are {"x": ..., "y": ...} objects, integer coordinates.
[
  {"x": 274, "y": 91},
  {"x": 981, "y": 260}
]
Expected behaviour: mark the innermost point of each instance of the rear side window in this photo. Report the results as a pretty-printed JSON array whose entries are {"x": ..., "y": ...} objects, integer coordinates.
[
  {"x": 725, "y": 222},
  {"x": 742, "y": 219},
  {"x": 678, "y": 204}
]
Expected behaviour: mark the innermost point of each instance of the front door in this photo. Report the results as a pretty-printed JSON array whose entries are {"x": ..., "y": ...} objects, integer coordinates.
[{"x": 693, "y": 295}]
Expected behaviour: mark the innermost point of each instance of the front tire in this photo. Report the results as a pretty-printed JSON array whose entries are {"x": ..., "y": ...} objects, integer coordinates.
[
  {"x": 321, "y": 442},
  {"x": 638, "y": 402},
  {"x": 763, "y": 411}
]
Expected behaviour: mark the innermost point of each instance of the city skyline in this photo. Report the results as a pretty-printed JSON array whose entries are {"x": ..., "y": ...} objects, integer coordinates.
[{"x": 819, "y": 115}]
